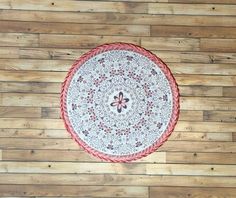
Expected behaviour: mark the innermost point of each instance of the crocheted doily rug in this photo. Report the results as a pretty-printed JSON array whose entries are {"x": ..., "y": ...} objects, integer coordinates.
[{"x": 119, "y": 102}]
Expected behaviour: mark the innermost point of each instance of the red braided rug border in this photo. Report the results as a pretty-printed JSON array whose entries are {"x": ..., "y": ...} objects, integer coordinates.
[{"x": 151, "y": 56}]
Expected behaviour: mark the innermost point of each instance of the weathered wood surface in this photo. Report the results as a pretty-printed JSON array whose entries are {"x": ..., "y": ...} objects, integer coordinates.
[{"x": 39, "y": 42}]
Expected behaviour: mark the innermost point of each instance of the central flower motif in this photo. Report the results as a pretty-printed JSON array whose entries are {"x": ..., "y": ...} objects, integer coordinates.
[{"x": 120, "y": 102}]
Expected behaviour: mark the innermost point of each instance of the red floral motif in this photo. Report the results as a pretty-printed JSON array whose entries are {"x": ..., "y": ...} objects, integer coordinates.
[
  {"x": 90, "y": 96},
  {"x": 147, "y": 90},
  {"x": 122, "y": 132},
  {"x": 136, "y": 77},
  {"x": 120, "y": 102},
  {"x": 149, "y": 109},
  {"x": 99, "y": 80},
  {"x": 92, "y": 114},
  {"x": 105, "y": 128}
]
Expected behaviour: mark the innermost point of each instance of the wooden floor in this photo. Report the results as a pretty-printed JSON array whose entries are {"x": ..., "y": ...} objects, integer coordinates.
[{"x": 39, "y": 40}]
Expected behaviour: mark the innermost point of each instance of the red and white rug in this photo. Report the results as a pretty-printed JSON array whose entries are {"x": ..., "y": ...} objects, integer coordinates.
[{"x": 120, "y": 102}]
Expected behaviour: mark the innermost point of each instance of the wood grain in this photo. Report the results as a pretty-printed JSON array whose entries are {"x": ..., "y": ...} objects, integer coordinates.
[
  {"x": 40, "y": 40},
  {"x": 109, "y": 168},
  {"x": 20, "y": 112},
  {"x": 81, "y": 6},
  {"x": 229, "y": 91},
  {"x": 34, "y": 64},
  {"x": 117, "y": 18},
  {"x": 117, "y": 180},
  {"x": 197, "y": 157},
  {"x": 95, "y": 191},
  {"x": 220, "y": 116},
  {"x": 72, "y": 28},
  {"x": 34, "y": 133},
  {"x": 19, "y": 39},
  {"x": 68, "y": 156},
  {"x": 191, "y": 9},
  {"x": 175, "y": 44},
  {"x": 30, "y": 87},
  {"x": 193, "y": 31},
  {"x": 209, "y": 69},
  {"x": 81, "y": 41},
  {"x": 218, "y": 45},
  {"x": 166, "y": 192}
]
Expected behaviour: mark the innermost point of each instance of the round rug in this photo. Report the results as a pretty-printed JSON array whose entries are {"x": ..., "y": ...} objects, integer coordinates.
[{"x": 120, "y": 102}]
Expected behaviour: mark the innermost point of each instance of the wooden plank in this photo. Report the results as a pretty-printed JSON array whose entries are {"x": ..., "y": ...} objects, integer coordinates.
[
  {"x": 65, "y": 144},
  {"x": 81, "y": 41},
  {"x": 205, "y": 80},
  {"x": 198, "y": 158},
  {"x": 213, "y": 103},
  {"x": 234, "y": 137},
  {"x": 33, "y": 133},
  {"x": 53, "y": 190},
  {"x": 142, "y": 0},
  {"x": 216, "y": 127},
  {"x": 48, "y": 112},
  {"x": 191, "y": 115},
  {"x": 191, "y": 9},
  {"x": 192, "y": 169},
  {"x": 19, "y": 39},
  {"x": 29, "y": 64},
  {"x": 219, "y": 116},
  {"x": 118, "y": 168},
  {"x": 76, "y": 6},
  {"x": 117, "y": 18},
  {"x": 32, "y": 76},
  {"x": 124, "y": 180},
  {"x": 52, "y": 155},
  {"x": 30, "y": 87},
  {"x": 24, "y": 143},
  {"x": 218, "y": 45},
  {"x": 197, "y": 136},
  {"x": 199, "y": 146},
  {"x": 196, "y": 57},
  {"x": 72, "y": 28},
  {"x": 196, "y": 68},
  {"x": 204, "y": 1},
  {"x": 20, "y": 112},
  {"x": 193, "y": 31},
  {"x": 165, "y": 192},
  {"x": 9, "y": 52},
  {"x": 31, "y": 100},
  {"x": 74, "y": 167},
  {"x": 229, "y": 91},
  {"x": 52, "y": 53},
  {"x": 70, "y": 155},
  {"x": 34, "y": 123},
  {"x": 200, "y": 91},
  {"x": 175, "y": 44}
]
